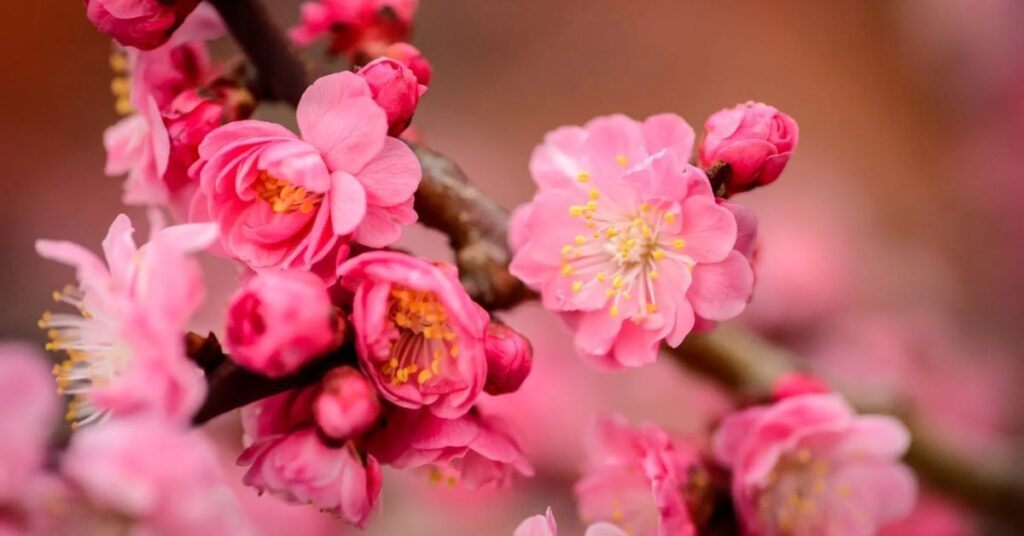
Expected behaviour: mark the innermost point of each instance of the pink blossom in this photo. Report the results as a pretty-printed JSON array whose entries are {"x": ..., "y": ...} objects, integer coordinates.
[
  {"x": 755, "y": 139},
  {"x": 395, "y": 89},
  {"x": 280, "y": 321},
  {"x": 636, "y": 479},
  {"x": 509, "y": 359},
  {"x": 419, "y": 336},
  {"x": 126, "y": 353},
  {"x": 274, "y": 417},
  {"x": 347, "y": 405},
  {"x": 117, "y": 475},
  {"x": 28, "y": 416},
  {"x": 412, "y": 58},
  {"x": 288, "y": 202},
  {"x": 473, "y": 450},
  {"x": 545, "y": 526},
  {"x": 626, "y": 239},
  {"x": 299, "y": 467},
  {"x": 810, "y": 465},
  {"x": 796, "y": 384},
  {"x": 358, "y": 29},
  {"x": 143, "y": 24}
]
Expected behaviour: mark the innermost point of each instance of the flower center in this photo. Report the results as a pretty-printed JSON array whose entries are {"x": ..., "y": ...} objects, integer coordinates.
[
  {"x": 283, "y": 196},
  {"x": 424, "y": 339},
  {"x": 797, "y": 494},
  {"x": 622, "y": 253},
  {"x": 95, "y": 354}
]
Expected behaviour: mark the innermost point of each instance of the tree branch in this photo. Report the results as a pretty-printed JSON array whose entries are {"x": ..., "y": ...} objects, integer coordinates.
[{"x": 476, "y": 227}]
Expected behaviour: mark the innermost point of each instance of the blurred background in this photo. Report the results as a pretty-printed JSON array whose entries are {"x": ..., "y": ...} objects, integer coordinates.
[{"x": 890, "y": 250}]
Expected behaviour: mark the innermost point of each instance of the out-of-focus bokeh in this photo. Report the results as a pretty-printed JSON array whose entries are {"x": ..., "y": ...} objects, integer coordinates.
[{"x": 891, "y": 247}]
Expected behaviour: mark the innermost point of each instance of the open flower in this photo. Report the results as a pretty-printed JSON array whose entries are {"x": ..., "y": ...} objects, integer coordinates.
[
  {"x": 126, "y": 353},
  {"x": 143, "y": 24},
  {"x": 626, "y": 239},
  {"x": 288, "y": 202},
  {"x": 419, "y": 336},
  {"x": 359, "y": 29},
  {"x": 809, "y": 465},
  {"x": 473, "y": 450},
  {"x": 638, "y": 479}
]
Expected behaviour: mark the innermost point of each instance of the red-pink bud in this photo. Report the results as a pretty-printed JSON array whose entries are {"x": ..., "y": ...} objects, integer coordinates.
[
  {"x": 755, "y": 139},
  {"x": 796, "y": 384},
  {"x": 411, "y": 57},
  {"x": 395, "y": 89},
  {"x": 143, "y": 24},
  {"x": 347, "y": 404},
  {"x": 509, "y": 358}
]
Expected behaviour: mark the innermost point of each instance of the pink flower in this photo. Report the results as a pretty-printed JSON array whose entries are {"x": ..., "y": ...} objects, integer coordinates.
[
  {"x": 809, "y": 465},
  {"x": 279, "y": 322},
  {"x": 359, "y": 29},
  {"x": 509, "y": 359},
  {"x": 140, "y": 476},
  {"x": 626, "y": 239},
  {"x": 288, "y": 202},
  {"x": 395, "y": 89},
  {"x": 140, "y": 147},
  {"x": 299, "y": 467},
  {"x": 126, "y": 352},
  {"x": 545, "y": 526},
  {"x": 474, "y": 450},
  {"x": 636, "y": 479},
  {"x": 347, "y": 405},
  {"x": 143, "y": 24},
  {"x": 419, "y": 336},
  {"x": 29, "y": 413},
  {"x": 796, "y": 384},
  {"x": 755, "y": 139},
  {"x": 411, "y": 57}
]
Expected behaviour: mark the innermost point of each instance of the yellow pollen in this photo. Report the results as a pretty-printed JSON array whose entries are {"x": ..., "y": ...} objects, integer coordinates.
[
  {"x": 601, "y": 277},
  {"x": 435, "y": 366},
  {"x": 575, "y": 211},
  {"x": 653, "y": 275},
  {"x": 454, "y": 351},
  {"x": 652, "y": 308},
  {"x": 566, "y": 269},
  {"x": 566, "y": 249},
  {"x": 612, "y": 232},
  {"x": 583, "y": 176},
  {"x": 678, "y": 243},
  {"x": 577, "y": 286},
  {"x": 591, "y": 205},
  {"x": 580, "y": 240},
  {"x": 610, "y": 293},
  {"x": 617, "y": 281},
  {"x": 658, "y": 254},
  {"x": 614, "y": 311},
  {"x": 283, "y": 196},
  {"x": 645, "y": 206},
  {"x": 594, "y": 194},
  {"x": 670, "y": 217},
  {"x": 424, "y": 376},
  {"x": 622, "y": 160}
]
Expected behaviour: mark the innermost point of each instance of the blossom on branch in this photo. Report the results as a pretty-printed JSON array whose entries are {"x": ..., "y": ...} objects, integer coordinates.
[
  {"x": 360, "y": 30},
  {"x": 285, "y": 201},
  {"x": 626, "y": 239},
  {"x": 395, "y": 89},
  {"x": 124, "y": 341},
  {"x": 143, "y": 24},
  {"x": 809, "y": 464},
  {"x": 755, "y": 139}
]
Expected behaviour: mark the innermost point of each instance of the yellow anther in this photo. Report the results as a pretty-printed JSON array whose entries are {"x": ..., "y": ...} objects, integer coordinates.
[
  {"x": 566, "y": 269},
  {"x": 670, "y": 217},
  {"x": 617, "y": 281},
  {"x": 622, "y": 160},
  {"x": 454, "y": 351},
  {"x": 610, "y": 292},
  {"x": 566, "y": 250},
  {"x": 678, "y": 243},
  {"x": 435, "y": 366},
  {"x": 123, "y": 106},
  {"x": 653, "y": 275},
  {"x": 631, "y": 243},
  {"x": 424, "y": 375},
  {"x": 645, "y": 206},
  {"x": 575, "y": 211},
  {"x": 612, "y": 232},
  {"x": 580, "y": 240},
  {"x": 594, "y": 194},
  {"x": 601, "y": 277},
  {"x": 591, "y": 205},
  {"x": 591, "y": 224},
  {"x": 652, "y": 308},
  {"x": 658, "y": 254},
  {"x": 583, "y": 176},
  {"x": 596, "y": 234},
  {"x": 57, "y": 296},
  {"x": 803, "y": 455},
  {"x": 577, "y": 286}
]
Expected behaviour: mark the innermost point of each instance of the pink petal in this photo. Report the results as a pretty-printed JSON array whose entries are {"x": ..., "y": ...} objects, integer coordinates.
[
  {"x": 338, "y": 116},
  {"x": 392, "y": 176},
  {"x": 720, "y": 291},
  {"x": 669, "y": 131},
  {"x": 709, "y": 230},
  {"x": 348, "y": 203}
]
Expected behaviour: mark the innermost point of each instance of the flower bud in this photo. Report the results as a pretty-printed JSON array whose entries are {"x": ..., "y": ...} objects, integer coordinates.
[
  {"x": 509, "y": 358},
  {"x": 279, "y": 321},
  {"x": 347, "y": 404},
  {"x": 395, "y": 89},
  {"x": 412, "y": 58},
  {"x": 143, "y": 24},
  {"x": 796, "y": 384},
  {"x": 755, "y": 139}
]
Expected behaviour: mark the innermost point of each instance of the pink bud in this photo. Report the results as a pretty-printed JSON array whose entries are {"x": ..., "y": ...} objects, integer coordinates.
[
  {"x": 395, "y": 89},
  {"x": 509, "y": 358},
  {"x": 798, "y": 383},
  {"x": 143, "y": 24},
  {"x": 412, "y": 58},
  {"x": 755, "y": 139},
  {"x": 279, "y": 321},
  {"x": 347, "y": 404}
]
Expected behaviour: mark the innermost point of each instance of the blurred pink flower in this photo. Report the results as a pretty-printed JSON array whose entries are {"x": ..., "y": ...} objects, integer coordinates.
[
  {"x": 280, "y": 321},
  {"x": 143, "y": 24},
  {"x": 755, "y": 139},
  {"x": 412, "y": 58},
  {"x": 419, "y": 336},
  {"x": 288, "y": 202},
  {"x": 140, "y": 147},
  {"x": 141, "y": 476},
  {"x": 29, "y": 415},
  {"x": 347, "y": 405},
  {"x": 358, "y": 29},
  {"x": 935, "y": 516},
  {"x": 395, "y": 89},
  {"x": 126, "y": 353},
  {"x": 810, "y": 465},
  {"x": 509, "y": 359},
  {"x": 796, "y": 384},
  {"x": 545, "y": 526},
  {"x": 474, "y": 450},
  {"x": 627, "y": 240},
  {"x": 637, "y": 478}
]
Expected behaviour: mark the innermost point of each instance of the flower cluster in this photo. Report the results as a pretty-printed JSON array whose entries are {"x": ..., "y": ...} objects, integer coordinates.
[{"x": 357, "y": 29}]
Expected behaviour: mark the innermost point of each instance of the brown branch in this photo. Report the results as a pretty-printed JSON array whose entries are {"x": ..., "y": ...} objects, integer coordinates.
[{"x": 476, "y": 226}]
